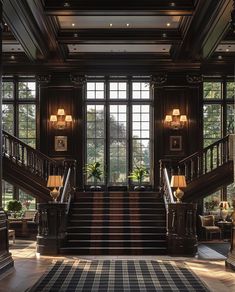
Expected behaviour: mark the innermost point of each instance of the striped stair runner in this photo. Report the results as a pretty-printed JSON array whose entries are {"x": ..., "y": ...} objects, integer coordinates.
[{"x": 116, "y": 223}]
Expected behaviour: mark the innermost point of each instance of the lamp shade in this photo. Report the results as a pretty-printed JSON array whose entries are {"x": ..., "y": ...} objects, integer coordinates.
[
  {"x": 178, "y": 181},
  {"x": 168, "y": 118},
  {"x": 53, "y": 118},
  {"x": 224, "y": 205},
  {"x": 68, "y": 118},
  {"x": 176, "y": 112},
  {"x": 60, "y": 112},
  {"x": 54, "y": 181},
  {"x": 183, "y": 118}
]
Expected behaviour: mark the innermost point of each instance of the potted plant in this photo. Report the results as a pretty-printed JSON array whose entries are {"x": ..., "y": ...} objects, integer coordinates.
[
  {"x": 138, "y": 174},
  {"x": 14, "y": 206},
  {"x": 93, "y": 171}
]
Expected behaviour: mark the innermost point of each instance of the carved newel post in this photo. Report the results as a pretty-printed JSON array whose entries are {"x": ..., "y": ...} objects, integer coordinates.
[{"x": 230, "y": 261}]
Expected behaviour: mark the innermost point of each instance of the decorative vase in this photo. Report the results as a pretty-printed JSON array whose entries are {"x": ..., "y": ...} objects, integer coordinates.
[{"x": 223, "y": 214}]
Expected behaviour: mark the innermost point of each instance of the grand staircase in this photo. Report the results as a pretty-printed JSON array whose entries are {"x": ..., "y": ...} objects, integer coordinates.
[{"x": 116, "y": 223}]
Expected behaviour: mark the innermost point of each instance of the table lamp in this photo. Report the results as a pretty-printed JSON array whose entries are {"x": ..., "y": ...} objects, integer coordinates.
[
  {"x": 224, "y": 206},
  {"x": 178, "y": 181},
  {"x": 54, "y": 181}
]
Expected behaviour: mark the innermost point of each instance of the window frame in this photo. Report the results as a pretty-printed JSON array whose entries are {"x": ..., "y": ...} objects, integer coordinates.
[{"x": 129, "y": 101}]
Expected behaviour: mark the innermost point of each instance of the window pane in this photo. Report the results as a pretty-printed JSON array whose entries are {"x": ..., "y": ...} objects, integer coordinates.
[
  {"x": 212, "y": 128},
  {"x": 27, "y": 124},
  {"x": 230, "y": 89},
  {"x": 141, "y": 137},
  {"x": 140, "y": 90},
  {"x": 212, "y": 90},
  {"x": 118, "y": 145},
  {"x": 230, "y": 119},
  {"x": 7, "y": 194},
  {"x": 95, "y": 90},
  {"x": 7, "y": 90},
  {"x": 211, "y": 203},
  {"x": 28, "y": 202},
  {"x": 27, "y": 90},
  {"x": 118, "y": 90},
  {"x": 8, "y": 118},
  {"x": 95, "y": 133}
]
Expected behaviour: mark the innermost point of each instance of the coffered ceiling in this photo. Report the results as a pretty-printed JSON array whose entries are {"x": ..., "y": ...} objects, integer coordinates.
[{"x": 79, "y": 35}]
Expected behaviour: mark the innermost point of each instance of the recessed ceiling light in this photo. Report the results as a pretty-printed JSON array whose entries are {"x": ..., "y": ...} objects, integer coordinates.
[
  {"x": 229, "y": 46},
  {"x": 128, "y": 24},
  {"x": 66, "y": 4},
  {"x": 164, "y": 49},
  {"x": 168, "y": 24},
  {"x": 12, "y": 49},
  {"x": 227, "y": 50},
  {"x": 164, "y": 35},
  {"x": 73, "y": 24},
  {"x": 110, "y": 24}
]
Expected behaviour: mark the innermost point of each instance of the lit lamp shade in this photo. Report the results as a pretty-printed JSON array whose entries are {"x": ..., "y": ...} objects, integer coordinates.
[
  {"x": 168, "y": 118},
  {"x": 178, "y": 181},
  {"x": 53, "y": 118},
  {"x": 183, "y": 118},
  {"x": 54, "y": 181},
  {"x": 176, "y": 112},
  {"x": 68, "y": 118},
  {"x": 60, "y": 112},
  {"x": 224, "y": 205}
]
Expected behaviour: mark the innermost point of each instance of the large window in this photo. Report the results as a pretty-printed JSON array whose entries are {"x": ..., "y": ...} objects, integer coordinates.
[
  {"x": 19, "y": 109},
  {"x": 218, "y": 121},
  {"x": 118, "y": 128}
]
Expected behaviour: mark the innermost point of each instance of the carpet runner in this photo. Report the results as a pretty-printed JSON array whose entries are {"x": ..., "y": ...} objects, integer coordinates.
[{"x": 118, "y": 276}]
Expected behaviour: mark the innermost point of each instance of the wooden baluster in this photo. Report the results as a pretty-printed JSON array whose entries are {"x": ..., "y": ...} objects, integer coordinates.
[
  {"x": 217, "y": 155},
  {"x": 211, "y": 158},
  {"x": 205, "y": 156},
  {"x": 23, "y": 154}
]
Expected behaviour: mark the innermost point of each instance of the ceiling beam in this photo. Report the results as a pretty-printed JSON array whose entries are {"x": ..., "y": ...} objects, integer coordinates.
[
  {"x": 119, "y": 7},
  {"x": 204, "y": 30},
  {"x": 165, "y": 36}
]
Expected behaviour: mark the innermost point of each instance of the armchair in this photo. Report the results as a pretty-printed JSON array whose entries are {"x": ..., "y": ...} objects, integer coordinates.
[{"x": 208, "y": 225}]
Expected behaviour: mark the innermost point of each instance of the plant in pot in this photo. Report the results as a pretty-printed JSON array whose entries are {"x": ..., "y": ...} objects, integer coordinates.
[
  {"x": 138, "y": 174},
  {"x": 94, "y": 172},
  {"x": 14, "y": 206}
]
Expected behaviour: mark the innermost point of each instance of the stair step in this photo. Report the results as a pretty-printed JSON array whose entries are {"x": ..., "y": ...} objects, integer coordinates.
[
  {"x": 142, "y": 216},
  {"x": 127, "y": 229},
  {"x": 121, "y": 235},
  {"x": 113, "y": 250}
]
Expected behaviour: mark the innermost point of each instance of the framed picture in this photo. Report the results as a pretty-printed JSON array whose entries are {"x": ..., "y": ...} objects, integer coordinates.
[
  {"x": 175, "y": 143},
  {"x": 60, "y": 143}
]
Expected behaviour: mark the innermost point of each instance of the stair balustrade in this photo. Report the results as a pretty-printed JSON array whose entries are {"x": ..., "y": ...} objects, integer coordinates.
[{"x": 206, "y": 160}]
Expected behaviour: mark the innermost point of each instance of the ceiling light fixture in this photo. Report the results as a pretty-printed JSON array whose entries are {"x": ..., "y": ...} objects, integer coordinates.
[
  {"x": 227, "y": 50},
  {"x": 220, "y": 57},
  {"x": 164, "y": 35},
  {"x": 12, "y": 57},
  {"x": 168, "y": 24},
  {"x": 66, "y": 4},
  {"x": 172, "y": 4},
  {"x": 128, "y": 24},
  {"x": 73, "y": 24}
]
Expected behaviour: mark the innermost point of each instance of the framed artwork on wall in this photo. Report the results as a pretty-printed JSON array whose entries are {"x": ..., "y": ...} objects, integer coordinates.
[
  {"x": 61, "y": 143},
  {"x": 175, "y": 143}
]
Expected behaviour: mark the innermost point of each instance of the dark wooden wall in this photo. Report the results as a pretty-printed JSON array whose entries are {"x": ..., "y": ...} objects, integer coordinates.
[{"x": 172, "y": 91}]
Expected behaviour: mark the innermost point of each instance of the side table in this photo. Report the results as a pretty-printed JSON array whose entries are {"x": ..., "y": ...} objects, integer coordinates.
[{"x": 226, "y": 227}]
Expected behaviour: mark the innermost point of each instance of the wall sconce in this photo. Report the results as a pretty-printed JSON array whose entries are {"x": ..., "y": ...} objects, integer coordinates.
[
  {"x": 61, "y": 121},
  {"x": 176, "y": 120}
]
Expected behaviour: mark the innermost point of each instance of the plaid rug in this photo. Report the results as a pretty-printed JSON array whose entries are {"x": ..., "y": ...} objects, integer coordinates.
[{"x": 118, "y": 276}]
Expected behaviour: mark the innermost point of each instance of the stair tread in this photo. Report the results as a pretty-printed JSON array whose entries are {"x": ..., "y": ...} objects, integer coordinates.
[
  {"x": 113, "y": 233},
  {"x": 110, "y": 247},
  {"x": 117, "y": 240}
]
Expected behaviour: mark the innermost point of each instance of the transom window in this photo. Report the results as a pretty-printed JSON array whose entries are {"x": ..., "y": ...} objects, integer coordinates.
[{"x": 118, "y": 128}]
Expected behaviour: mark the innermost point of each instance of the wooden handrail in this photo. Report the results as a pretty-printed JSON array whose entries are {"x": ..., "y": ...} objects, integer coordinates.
[{"x": 165, "y": 185}]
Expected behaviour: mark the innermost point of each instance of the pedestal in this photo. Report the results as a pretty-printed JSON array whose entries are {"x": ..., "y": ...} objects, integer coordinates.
[
  {"x": 51, "y": 228},
  {"x": 181, "y": 229},
  {"x": 6, "y": 261}
]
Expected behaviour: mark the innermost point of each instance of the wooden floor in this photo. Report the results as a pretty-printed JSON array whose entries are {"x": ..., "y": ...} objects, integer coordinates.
[{"x": 29, "y": 267}]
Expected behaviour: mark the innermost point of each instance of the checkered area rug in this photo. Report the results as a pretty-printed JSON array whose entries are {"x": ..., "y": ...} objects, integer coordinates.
[{"x": 118, "y": 276}]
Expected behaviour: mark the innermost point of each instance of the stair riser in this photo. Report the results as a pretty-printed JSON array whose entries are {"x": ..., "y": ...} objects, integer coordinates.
[
  {"x": 121, "y": 204},
  {"x": 117, "y": 245},
  {"x": 132, "y": 229},
  {"x": 121, "y": 251},
  {"x": 117, "y": 211},
  {"x": 110, "y": 224},
  {"x": 140, "y": 216},
  {"x": 120, "y": 236}
]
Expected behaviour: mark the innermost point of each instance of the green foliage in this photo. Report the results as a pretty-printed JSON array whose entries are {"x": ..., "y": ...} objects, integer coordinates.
[
  {"x": 93, "y": 171},
  {"x": 14, "y": 206},
  {"x": 139, "y": 173}
]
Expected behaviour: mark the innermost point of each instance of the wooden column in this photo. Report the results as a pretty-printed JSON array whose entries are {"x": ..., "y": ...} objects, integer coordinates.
[
  {"x": 181, "y": 229},
  {"x": 6, "y": 261}
]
